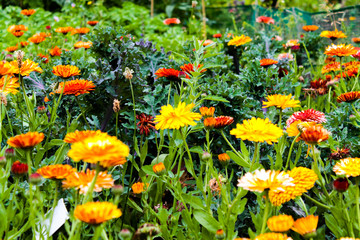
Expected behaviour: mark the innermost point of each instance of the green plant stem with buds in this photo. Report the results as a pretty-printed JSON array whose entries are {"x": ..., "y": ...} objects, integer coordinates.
[
  {"x": 290, "y": 151},
  {"x": 266, "y": 212}
]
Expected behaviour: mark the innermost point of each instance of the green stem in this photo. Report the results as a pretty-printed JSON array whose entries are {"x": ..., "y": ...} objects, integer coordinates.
[
  {"x": 168, "y": 100},
  {"x": 356, "y": 112},
  {"x": 230, "y": 145},
  {"x": 97, "y": 232},
  {"x": 266, "y": 213},
  {"x": 89, "y": 193},
  {"x": 280, "y": 117},
  {"x": 116, "y": 124},
  {"x": 290, "y": 151},
  {"x": 82, "y": 112},
  {"x": 57, "y": 183},
  {"x": 317, "y": 202},
  {"x": 357, "y": 199},
  {"x": 347, "y": 217}
]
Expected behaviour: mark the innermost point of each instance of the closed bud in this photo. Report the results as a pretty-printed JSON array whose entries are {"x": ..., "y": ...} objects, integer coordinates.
[
  {"x": 19, "y": 168},
  {"x": 2, "y": 161},
  {"x": 125, "y": 233},
  {"x": 206, "y": 156},
  {"x": 159, "y": 168},
  {"x": 116, "y": 105},
  {"x": 182, "y": 74},
  {"x": 194, "y": 3},
  {"x": 35, "y": 178},
  {"x": 9, "y": 153},
  {"x": 41, "y": 109},
  {"x": 220, "y": 234},
  {"x": 341, "y": 184},
  {"x": 352, "y": 117},
  {"x": 117, "y": 189}
]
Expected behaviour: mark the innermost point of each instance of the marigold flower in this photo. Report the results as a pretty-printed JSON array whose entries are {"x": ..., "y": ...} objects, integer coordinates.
[
  {"x": 217, "y": 35},
  {"x": 92, "y": 23},
  {"x": 306, "y": 225},
  {"x": 170, "y": 21},
  {"x": 159, "y": 168},
  {"x": 348, "y": 97},
  {"x": 207, "y": 42},
  {"x": 82, "y": 181},
  {"x": 11, "y": 48},
  {"x": 36, "y": 39},
  {"x": 264, "y": 19},
  {"x": 80, "y": 31},
  {"x": 292, "y": 43},
  {"x": 17, "y": 28},
  {"x": 293, "y": 129},
  {"x": 239, "y": 40},
  {"x": 64, "y": 30},
  {"x": 352, "y": 72},
  {"x": 340, "y": 50},
  {"x": 19, "y": 168},
  {"x": 257, "y": 130},
  {"x": 6, "y": 68},
  {"x": 46, "y": 99},
  {"x": 57, "y": 171},
  {"x": 262, "y": 180},
  {"x": 223, "y": 121},
  {"x": 280, "y": 223},
  {"x": 174, "y": 118},
  {"x": 314, "y": 134},
  {"x": 18, "y": 34},
  {"x": 331, "y": 67},
  {"x": 348, "y": 167},
  {"x": 9, "y": 85},
  {"x": 56, "y": 51},
  {"x": 27, "y": 67},
  {"x": 281, "y": 101},
  {"x": 207, "y": 112},
  {"x": 103, "y": 149},
  {"x": 81, "y": 44},
  {"x": 145, "y": 123},
  {"x": 333, "y": 35},
  {"x": 310, "y": 28},
  {"x": 209, "y": 122},
  {"x": 97, "y": 212},
  {"x": 76, "y": 87},
  {"x": 348, "y": 238},
  {"x": 27, "y": 140},
  {"x": 351, "y": 65},
  {"x": 319, "y": 86},
  {"x": 139, "y": 187},
  {"x": 356, "y": 40},
  {"x": 24, "y": 44},
  {"x": 28, "y": 12},
  {"x": 189, "y": 68},
  {"x": 223, "y": 157},
  {"x": 267, "y": 62},
  {"x": 272, "y": 236},
  {"x": 308, "y": 115},
  {"x": 170, "y": 74},
  {"x": 303, "y": 180},
  {"x": 66, "y": 71}
]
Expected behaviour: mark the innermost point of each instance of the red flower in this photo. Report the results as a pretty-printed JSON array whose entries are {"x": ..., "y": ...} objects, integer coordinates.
[
  {"x": 145, "y": 123},
  {"x": 308, "y": 115},
  {"x": 189, "y": 68},
  {"x": 217, "y": 35},
  {"x": 169, "y": 21},
  {"x": 264, "y": 19},
  {"x": 19, "y": 168},
  {"x": 170, "y": 73},
  {"x": 223, "y": 121}
]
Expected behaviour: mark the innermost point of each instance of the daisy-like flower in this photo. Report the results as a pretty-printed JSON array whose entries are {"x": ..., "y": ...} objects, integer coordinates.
[
  {"x": 223, "y": 157},
  {"x": 280, "y": 223},
  {"x": 306, "y": 226},
  {"x": 18, "y": 34},
  {"x": 36, "y": 39},
  {"x": 189, "y": 68},
  {"x": 351, "y": 65},
  {"x": 314, "y": 134},
  {"x": 308, "y": 115},
  {"x": 281, "y": 101},
  {"x": 24, "y": 44},
  {"x": 44, "y": 58},
  {"x": 170, "y": 21},
  {"x": 82, "y": 44},
  {"x": 76, "y": 87},
  {"x": 356, "y": 40},
  {"x": 352, "y": 72},
  {"x": 174, "y": 118},
  {"x": 340, "y": 50},
  {"x": 339, "y": 153},
  {"x": 103, "y": 149},
  {"x": 257, "y": 130},
  {"x": 310, "y": 28},
  {"x": 223, "y": 121},
  {"x": 267, "y": 62},
  {"x": 293, "y": 129},
  {"x": 82, "y": 181},
  {"x": 266, "y": 20},
  {"x": 272, "y": 236},
  {"x": 348, "y": 238},
  {"x": 348, "y": 97},
  {"x": 27, "y": 67},
  {"x": 79, "y": 136},
  {"x": 26, "y": 141},
  {"x": 209, "y": 122},
  {"x": 64, "y": 30},
  {"x": 319, "y": 86},
  {"x": 42, "y": 34},
  {"x": 348, "y": 167},
  {"x": 139, "y": 187},
  {"x": 331, "y": 67},
  {"x": 217, "y": 35},
  {"x": 56, "y": 51},
  {"x": 6, "y": 68},
  {"x": 169, "y": 73},
  {"x": 262, "y": 180},
  {"x": 145, "y": 123},
  {"x": 81, "y": 31},
  {"x": 28, "y": 12},
  {"x": 303, "y": 180},
  {"x": 207, "y": 112},
  {"x": 159, "y": 168},
  {"x": 92, "y": 23},
  {"x": 292, "y": 43},
  {"x": 207, "y": 42},
  {"x": 17, "y": 28},
  {"x": 57, "y": 171},
  {"x": 9, "y": 85},
  {"x": 239, "y": 40},
  {"x": 333, "y": 35},
  {"x": 66, "y": 71},
  {"x": 96, "y": 213},
  {"x": 11, "y": 49}
]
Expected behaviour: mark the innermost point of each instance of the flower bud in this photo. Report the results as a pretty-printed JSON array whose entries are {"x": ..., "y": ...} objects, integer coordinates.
[
  {"x": 117, "y": 189},
  {"x": 2, "y": 161},
  {"x": 341, "y": 184},
  {"x": 35, "y": 178},
  {"x": 41, "y": 109},
  {"x": 352, "y": 117},
  {"x": 193, "y": 4},
  {"x": 159, "y": 168},
  {"x": 10, "y": 153},
  {"x": 125, "y": 233},
  {"x": 19, "y": 168},
  {"x": 48, "y": 27},
  {"x": 224, "y": 159},
  {"x": 206, "y": 156},
  {"x": 116, "y": 105},
  {"x": 128, "y": 73},
  {"x": 220, "y": 234},
  {"x": 182, "y": 74}
]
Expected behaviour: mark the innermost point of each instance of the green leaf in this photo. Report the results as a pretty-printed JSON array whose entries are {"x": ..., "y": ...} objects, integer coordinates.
[
  {"x": 197, "y": 149},
  {"x": 207, "y": 220},
  {"x": 194, "y": 202},
  {"x": 241, "y": 161},
  {"x": 215, "y": 98}
]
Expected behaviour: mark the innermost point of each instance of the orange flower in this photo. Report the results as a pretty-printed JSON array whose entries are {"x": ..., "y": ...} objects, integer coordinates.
[
  {"x": 64, "y": 30},
  {"x": 267, "y": 62},
  {"x": 223, "y": 121},
  {"x": 207, "y": 42},
  {"x": 223, "y": 157},
  {"x": 352, "y": 72},
  {"x": 27, "y": 140},
  {"x": 331, "y": 67},
  {"x": 79, "y": 136},
  {"x": 46, "y": 99},
  {"x": 66, "y": 71},
  {"x": 80, "y": 31},
  {"x": 6, "y": 68},
  {"x": 340, "y": 50},
  {"x": 27, "y": 67},
  {"x": 170, "y": 74},
  {"x": 330, "y": 60},
  {"x": 264, "y": 19},
  {"x": 333, "y": 35},
  {"x": 139, "y": 187},
  {"x": 159, "y": 168},
  {"x": 189, "y": 68},
  {"x": 351, "y": 65},
  {"x": 11, "y": 49},
  {"x": 169, "y": 21},
  {"x": 45, "y": 58},
  {"x": 76, "y": 87},
  {"x": 37, "y": 39},
  {"x": 57, "y": 171},
  {"x": 82, "y": 181},
  {"x": 56, "y": 51},
  {"x": 27, "y": 12},
  {"x": 209, "y": 122},
  {"x": 314, "y": 134},
  {"x": 81, "y": 44},
  {"x": 207, "y": 112},
  {"x": 24, "y": 44},
  {"x": 17, "y": 28},
  {"x": 92, "y": 23},
  {"x": 239, "y": 40},
  {"x": 356, "y": 40},
  {"x": 306, "y": 225},
  {"x": 42, "y": 34},
  {"x": 12, "y": 85},
  {"x": 310, "y": 28},
  {"x": 217, "y": 35},
  {"x": 18, "y": 34},
  {"x": 96, "y": 212},
  {"x": 348, "y": 97}
]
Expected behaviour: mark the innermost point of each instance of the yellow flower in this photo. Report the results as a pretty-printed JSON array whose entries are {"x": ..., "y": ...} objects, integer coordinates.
[
  {"x": 348, "y": 166},
  {"x": 306, "y": 225},
  {"x": 174, "y": 118},
  {"x": 333, "y": 35},
  {"x": 340, "y": 50},
  {"x": 257, "y": 130},
  {"x": 27, "y": 67},
  {"x": 262, "y": 180},
  {"x": 9, "y": 85},
  {"x": 281, "y": 223},
  {"x": 207, "y": 112},
  {"x": 102, "y": 149},
  {"x": 57, "y": 171},
  {"x": 239, "y": 40},
  {"x": 139, "y": 187},
  {"x": 347, "y": 238},
  {"x": 96, "y": 212},
  {"x": 273, "y": 236},
  {"x": 281, "y": 101},
  {"x": 79, "y": 136},
  {"x": 293, "y": 129}
]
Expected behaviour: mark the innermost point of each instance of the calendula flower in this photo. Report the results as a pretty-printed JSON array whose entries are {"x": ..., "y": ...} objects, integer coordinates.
[
  {"x": 92, "y": 23},
  {"x": 170, "y": 21},
  {"x": 331, "y": 67},
  {"x": 348, "y": 238},
  {"x": 64, "y": 30},
  {"x": 27, "y": 140},
  {"x": 27, "y": 67},
  {"x": 174, "y": 118},
  {"x": 76, "y": 87},
  {"x": 319, "y": 86},
  {"x": 17, "y": 28},
  {"x": 207, "y": 42},
  {"x": 209, "y": 122},
  {"x": 262, "y": 180},
  {"x": 306, "y": 225},
  {"x": 80, "y": 31},
  {"x": 348, "y": 167},
  {"x": 272, "y": 236},
  {"x": 6, "y": 68},
  {"x": 348, "y": 97},
  {"x": 310, "y": 28},
  {"x": 281, "y": 101},
  {"x": 19, "y": 168},
  {"x": 36, "y": 39},
  {"x": 96, "y": 213},
  {"x": 264, "y": 19},
  {"x": 82, "y": 44},
  {"x": 292, "y": 43},
  {"x": 11, "y": 49},
  {"x": 285, "y": 56},
  {"x": 207, "y": 112},
  {"x": 314, "y": 134},
  {"x": 66, "y": 71},
  {"x": 24, "y": 44},
  {"x": 45, "y": 58},
  {"x": 223, "y": 157},
  {"x": 340, "y": 50},
  {"x": 57, "y": 171},
  {"x": 28, "y": 12},
  {"x": 356, "y": 40},
  {"x": 293, "y": 129},
  {"x": 139, "y": 187},
  {"x": 303, "y": 180},
  {"x": 280, "y": 223},
  {"x": 339, "y": 153},
  {"x": 56, "y": 51},
  {"x": 257, "y": 130},
  {"x": 189, "y": 68},
  {"x": 9, "y": 85},
  {"x": 79, "y": 136},
  {"x": 170, "y": 74},
  {"x": 333, "y": 35},
  {"x": 352, "y": 72},
  {"x": 267, "y": 62},
  {"x": 239, "y": 40},
  {"x": 145, "y": 123},
  {"x": 308, "y": 115},
  {"x": 217, "y": 35},
  {"x": 351, "y": 65},
  {"x": 18, "y": 34},
  {"x": 159, "y": 168},
  {"x": 82, "y": 181}
]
